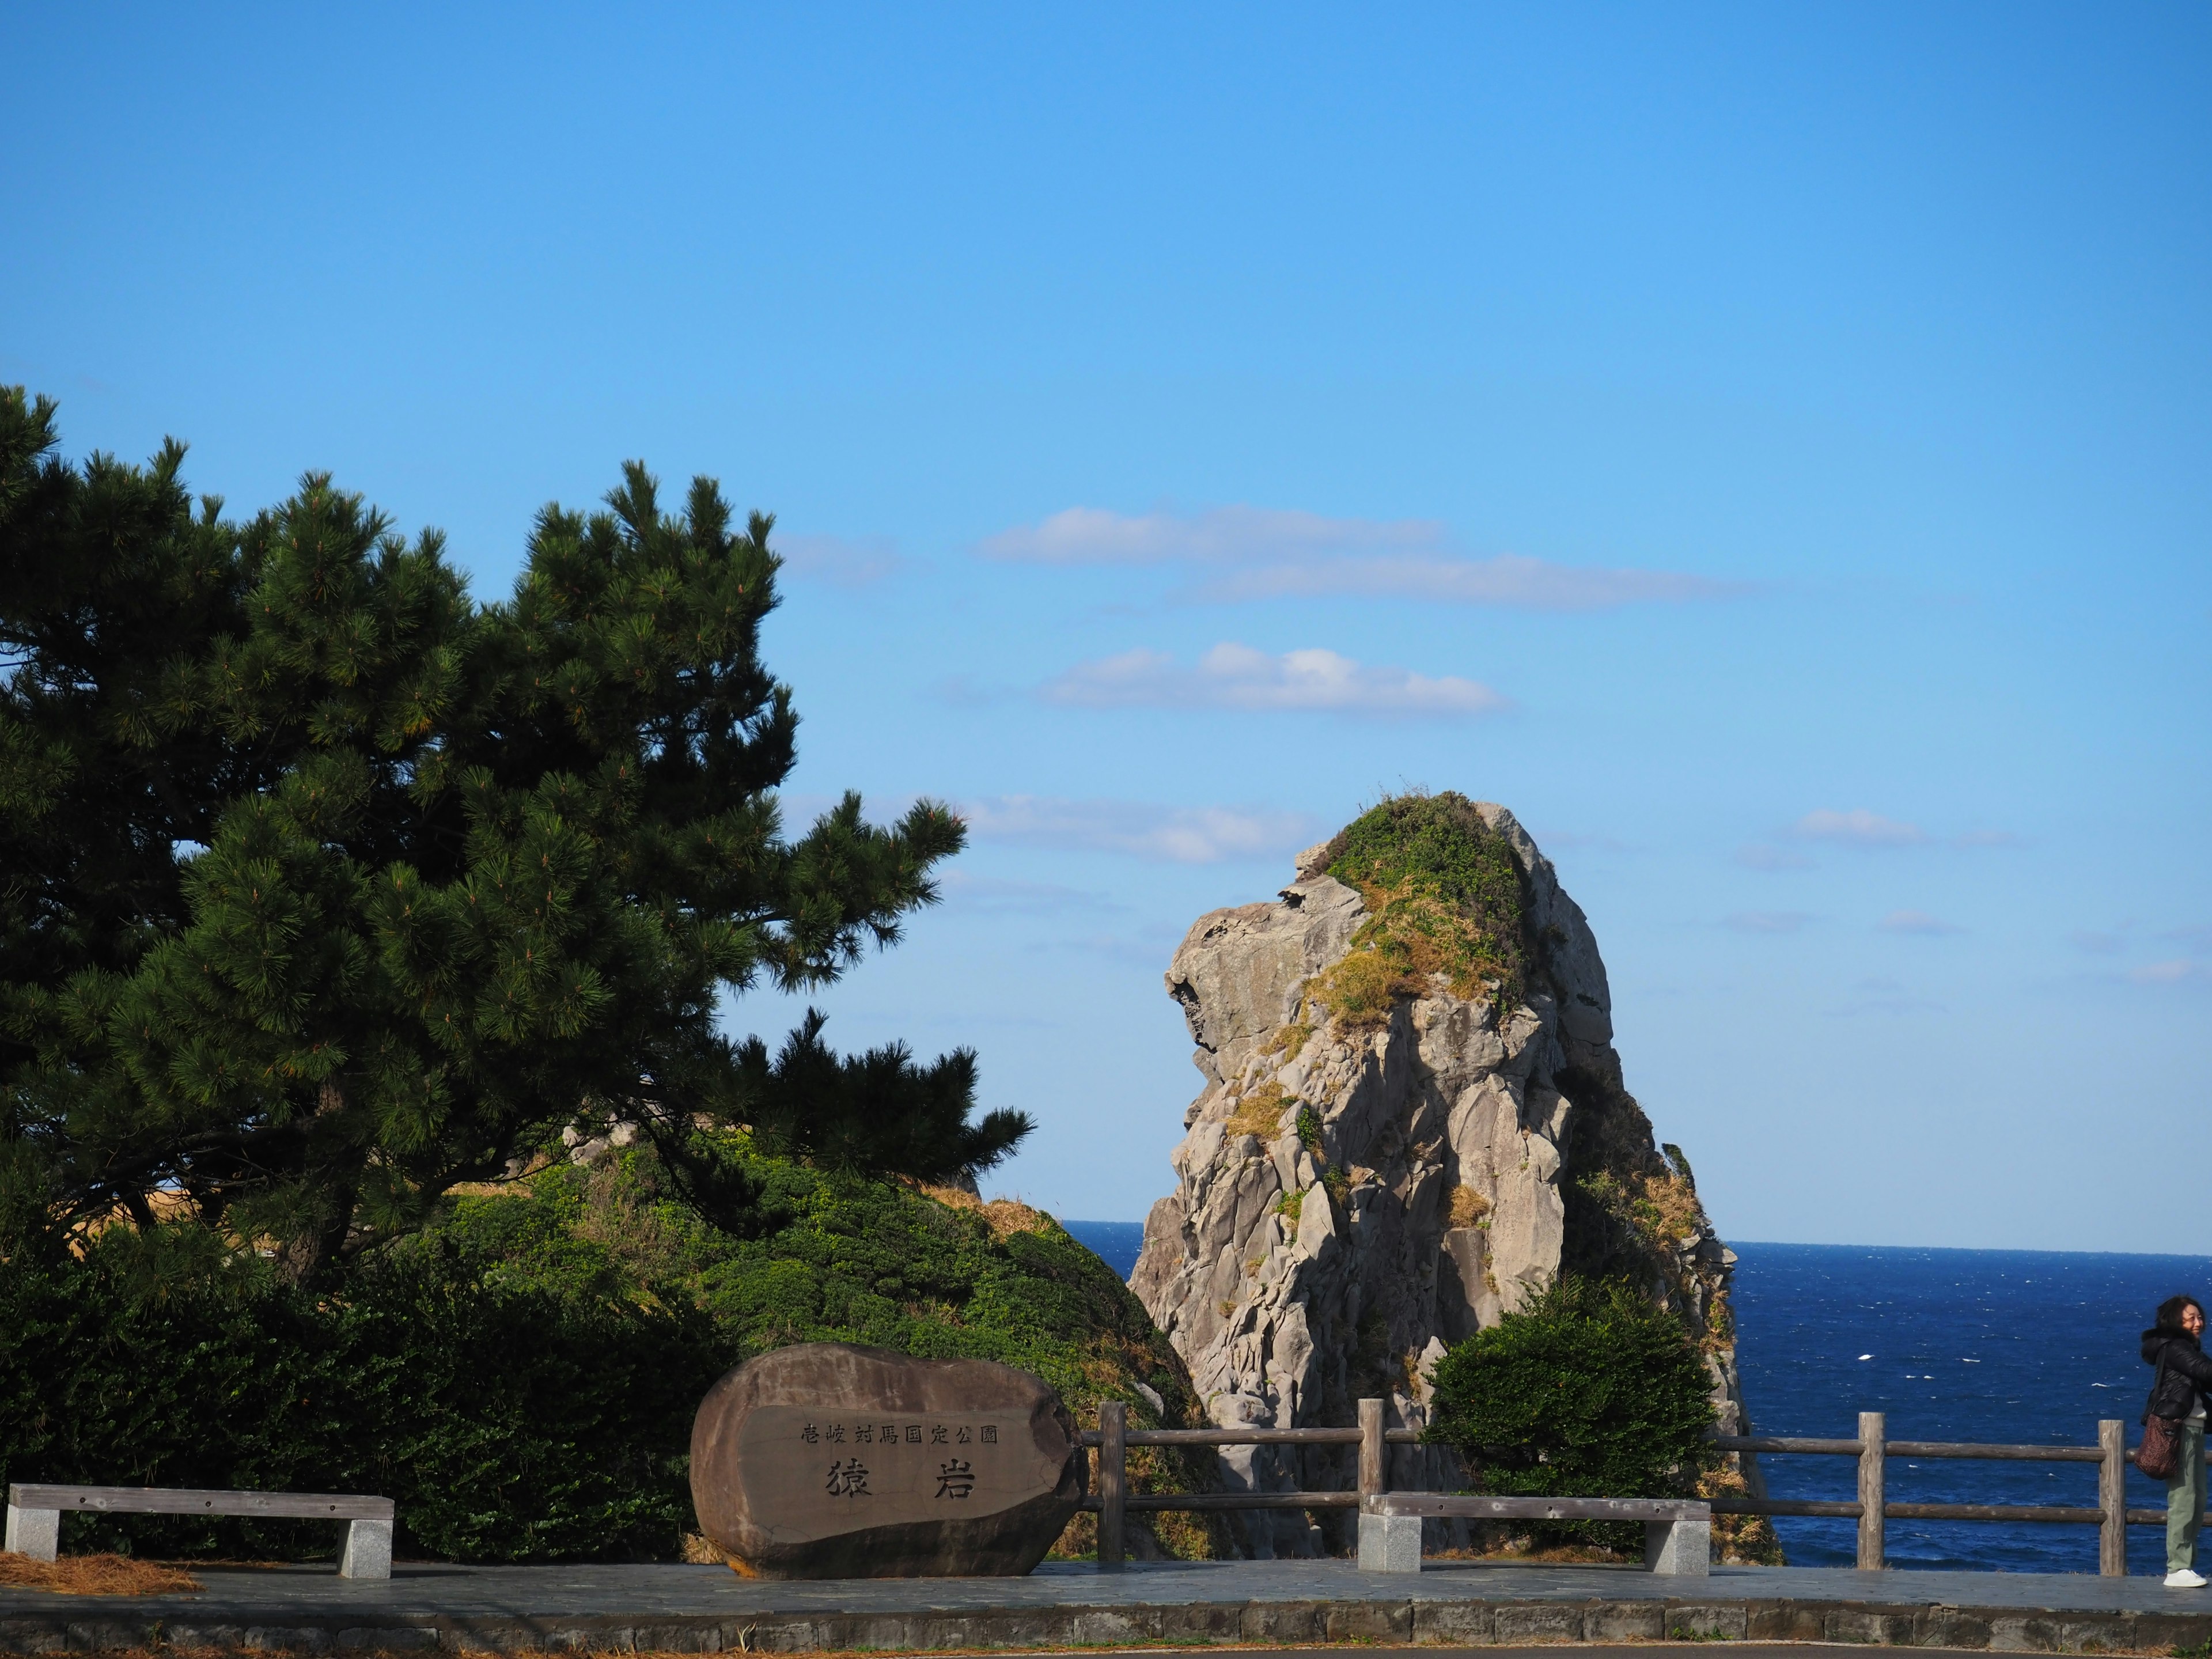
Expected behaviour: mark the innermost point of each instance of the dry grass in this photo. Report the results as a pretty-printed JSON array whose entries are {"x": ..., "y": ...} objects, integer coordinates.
[
  {"x": 1468, "y": 1207},
  {"x": 1290, "y": 1041},
  {"x": 699, "y": 1550},
  {"x": 1260, "y": 1113},
  {"x": 1668, "y": 1207},
  {"x": 1360, "y": 989},
  {"x": 95, "y": 1574}
]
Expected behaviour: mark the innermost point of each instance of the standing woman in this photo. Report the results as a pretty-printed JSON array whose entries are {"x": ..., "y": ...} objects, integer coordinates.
[{"x": 2177, "y": 1392}]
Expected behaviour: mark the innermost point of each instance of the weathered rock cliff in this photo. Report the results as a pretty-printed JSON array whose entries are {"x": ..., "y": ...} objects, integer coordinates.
[{"x": 1413, "y": 1116}]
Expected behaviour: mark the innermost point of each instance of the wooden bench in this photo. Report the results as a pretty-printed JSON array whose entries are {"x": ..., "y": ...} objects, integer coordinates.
[
  {"x": 34, "y": 1516},
  {"x": 1678, "y": 1533}
]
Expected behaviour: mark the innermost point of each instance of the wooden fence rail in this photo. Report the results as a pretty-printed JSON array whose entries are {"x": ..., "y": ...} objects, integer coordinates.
[
  {"x": 1113, "y": 1500},
  {"x": 2111, "y": 1515}
]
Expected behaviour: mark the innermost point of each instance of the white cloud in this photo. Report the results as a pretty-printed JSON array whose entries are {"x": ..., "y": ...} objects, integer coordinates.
[
  {"x": 1231, "y": 676},
  {"x": 1174, "y": 835},
  {"x": 1767, "y": 921},
  {"x": 841, "y": 562},
  {"x": 1917, "y": 922},
  {"x": 1268, "y": 553},
  {"x": 1857, "y": 827}
]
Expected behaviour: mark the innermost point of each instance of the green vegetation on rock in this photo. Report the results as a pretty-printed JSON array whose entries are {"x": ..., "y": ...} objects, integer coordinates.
[{"x": 1444, "y": 892}]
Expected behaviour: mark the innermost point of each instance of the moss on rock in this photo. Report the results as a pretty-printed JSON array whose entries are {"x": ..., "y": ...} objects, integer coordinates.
[{"x": 1446, "y": 897}]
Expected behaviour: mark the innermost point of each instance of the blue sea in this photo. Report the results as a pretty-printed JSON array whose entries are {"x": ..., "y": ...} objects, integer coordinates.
[{"x": 2016, "y": 1346}]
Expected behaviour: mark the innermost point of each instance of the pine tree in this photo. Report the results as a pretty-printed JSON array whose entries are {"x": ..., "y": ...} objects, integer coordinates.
[{"x": 324, "y": 888}]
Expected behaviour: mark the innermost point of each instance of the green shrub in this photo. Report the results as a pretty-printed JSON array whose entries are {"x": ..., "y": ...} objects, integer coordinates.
[
  {"x": 1588, "y": 1391},
  {"x": 509, "y": 1421}
]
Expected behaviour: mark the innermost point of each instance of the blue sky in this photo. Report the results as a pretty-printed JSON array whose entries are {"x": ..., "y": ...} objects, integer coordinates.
[{"x": 1767, "y": 447}]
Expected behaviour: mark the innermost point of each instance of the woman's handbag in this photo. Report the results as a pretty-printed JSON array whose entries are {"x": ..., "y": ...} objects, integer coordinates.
[{"x": 2160, "y": 1455}]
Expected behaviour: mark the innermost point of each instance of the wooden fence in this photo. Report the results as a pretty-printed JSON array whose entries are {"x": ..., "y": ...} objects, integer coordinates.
[
  {"x": 2111, "y": 1515},
  {"x": 1112, "y": 1501}
]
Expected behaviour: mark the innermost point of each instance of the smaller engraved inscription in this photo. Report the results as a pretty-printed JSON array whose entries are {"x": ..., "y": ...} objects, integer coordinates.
[{"x": 812, "y": 1470}]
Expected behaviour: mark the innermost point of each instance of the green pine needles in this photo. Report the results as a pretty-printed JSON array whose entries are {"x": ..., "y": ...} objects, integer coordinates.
[{"x": 324, "y": 887}]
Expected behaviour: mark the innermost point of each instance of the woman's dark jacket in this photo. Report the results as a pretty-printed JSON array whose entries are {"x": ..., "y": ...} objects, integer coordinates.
[{"x": 2188, "y": 1372}]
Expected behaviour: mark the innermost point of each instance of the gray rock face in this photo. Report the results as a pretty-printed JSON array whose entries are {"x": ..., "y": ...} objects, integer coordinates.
[
  {"x": 1293, "y": 1278},
  {"x": 827, "y": 1461}
]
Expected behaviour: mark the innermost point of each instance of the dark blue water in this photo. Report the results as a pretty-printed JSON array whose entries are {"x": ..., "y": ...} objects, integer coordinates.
[
  {"x": 2023, "y": 1345},
  {"x": 2015, "y": 1345},
  {"x": 1116, "y": 1242}
]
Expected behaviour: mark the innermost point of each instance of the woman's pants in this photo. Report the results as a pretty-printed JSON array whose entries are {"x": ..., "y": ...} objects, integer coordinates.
[{"x": 2185, "y": 1499}]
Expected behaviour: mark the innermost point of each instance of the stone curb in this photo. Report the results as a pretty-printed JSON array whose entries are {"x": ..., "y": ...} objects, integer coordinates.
[{"x": 1391, "y": 1620}]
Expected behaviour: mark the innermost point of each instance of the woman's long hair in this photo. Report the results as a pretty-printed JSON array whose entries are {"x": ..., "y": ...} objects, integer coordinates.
[{"x": 2169, "y": 1313}]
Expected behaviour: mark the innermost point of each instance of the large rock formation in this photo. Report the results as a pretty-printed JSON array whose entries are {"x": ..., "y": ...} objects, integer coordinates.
[{"x": 1413, "y": 1116}]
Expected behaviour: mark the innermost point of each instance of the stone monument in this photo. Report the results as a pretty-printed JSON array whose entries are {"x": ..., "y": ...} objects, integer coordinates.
[{"x": 828, "y": 1460}]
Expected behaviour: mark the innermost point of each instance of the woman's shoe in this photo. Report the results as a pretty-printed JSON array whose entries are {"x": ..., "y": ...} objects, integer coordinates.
[{"x": 2183, "y": 1578}]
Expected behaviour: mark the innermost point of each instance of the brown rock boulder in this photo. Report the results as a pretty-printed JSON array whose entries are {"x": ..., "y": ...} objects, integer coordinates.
[{"x": 828, "y": 1460}]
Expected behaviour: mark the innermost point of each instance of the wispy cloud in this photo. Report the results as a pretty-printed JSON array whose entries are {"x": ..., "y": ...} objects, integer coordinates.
[
  {"x": 1174, "y": 835},
  {"x": 1856, "y": 827},
  {"x": 840, "y": 561},
  {"x": 2170, "y": 973},
  {"x": 1767, "y": 921},
  {"x": 1231, "y": 676},
  {"x": 1860, "y": 828},
  {"x": 995, "y": 897},
  {"x": 1254, "y": 552},
  {"x": 1148, "y": 947},
  {"x": 1917, "y": 922},
  {"x": 1765, "y": 855},
  {"x": 1885, "y": 996},
  {"x": 2097, "y": 943}
]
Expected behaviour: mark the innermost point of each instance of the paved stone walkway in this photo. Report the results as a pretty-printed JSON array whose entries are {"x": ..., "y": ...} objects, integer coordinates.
[{"x": 697, "y": 1609}]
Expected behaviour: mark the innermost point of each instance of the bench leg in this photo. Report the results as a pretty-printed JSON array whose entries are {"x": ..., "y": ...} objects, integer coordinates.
[
  {"x": 1679, "y": 1546},
  {"x": 35, "y": 1532},
  {"x": 367, "y": 1550},
  {"x": 1389, "y": 1543}
]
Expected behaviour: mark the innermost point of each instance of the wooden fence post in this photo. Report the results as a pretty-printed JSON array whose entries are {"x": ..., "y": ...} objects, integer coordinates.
[
  {"x": 2112, "y": 1498},
  {"x": 1113, "y": 1482},
  {"x": 1371, "y": 1482},
  {"x": 1872, "y": 1437}
]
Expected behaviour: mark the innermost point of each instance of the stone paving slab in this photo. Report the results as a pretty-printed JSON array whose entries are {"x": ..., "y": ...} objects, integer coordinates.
[{"x": 710, "y": 1609}]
